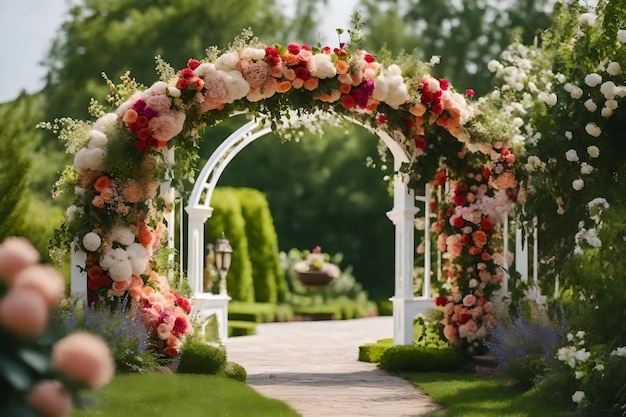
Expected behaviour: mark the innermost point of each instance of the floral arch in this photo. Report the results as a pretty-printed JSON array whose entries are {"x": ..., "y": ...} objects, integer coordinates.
[{"x": 126, "y": 160}]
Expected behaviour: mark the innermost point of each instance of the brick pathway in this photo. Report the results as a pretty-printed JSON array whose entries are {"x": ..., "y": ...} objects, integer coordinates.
[{"x": 314, "y": 367}]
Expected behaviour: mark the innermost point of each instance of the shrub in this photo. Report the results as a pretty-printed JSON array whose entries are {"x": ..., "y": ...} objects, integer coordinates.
[
  {"x": 373, "y": 352},
  {"x": 200, "y": 358},
  {"x": 255, "y": 312},
  {"x": 235, "y": 371},
  {"x": 420, "y": 359}
]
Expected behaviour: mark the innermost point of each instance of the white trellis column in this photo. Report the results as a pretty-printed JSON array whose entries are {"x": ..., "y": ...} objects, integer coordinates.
[
  {"x": 78, "y": 284},
  {"x": 402, "y": 215},
  {"x": 195, "y": 246}
]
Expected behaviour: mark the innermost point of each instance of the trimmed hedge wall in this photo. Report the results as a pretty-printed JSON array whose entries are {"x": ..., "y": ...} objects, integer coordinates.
[
  {"x": 421, "y": 359},
  {"x": 270, "y": 285},
  {"x": 228, "y": 218}
]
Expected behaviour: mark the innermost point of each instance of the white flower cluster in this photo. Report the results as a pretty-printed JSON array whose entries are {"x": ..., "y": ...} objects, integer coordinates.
[{"x": 390, "y": 87}]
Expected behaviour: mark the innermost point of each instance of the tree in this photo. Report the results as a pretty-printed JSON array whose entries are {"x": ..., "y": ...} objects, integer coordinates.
[
  {"x": 14, "y": 167},
  {"x": 466, "y": 34}
]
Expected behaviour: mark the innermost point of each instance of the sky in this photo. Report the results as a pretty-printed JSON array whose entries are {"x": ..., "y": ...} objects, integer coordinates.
[{"x": 27, "y": 28}]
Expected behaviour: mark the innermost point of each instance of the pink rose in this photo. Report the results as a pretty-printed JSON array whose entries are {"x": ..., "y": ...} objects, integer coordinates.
[
  {"x": 98, "y": 202},
  {"x": 163, "y": 331},
  {"x": 488, "y": 307},
  {"x": 118, "y": 288},
  {"x": 469, "y": 300},
  {"x": 85, "y": 358},
  {"x": 24, "y": 312},
  {"x": 50, "y": 398},
  {"x": 107, "y": 195}
]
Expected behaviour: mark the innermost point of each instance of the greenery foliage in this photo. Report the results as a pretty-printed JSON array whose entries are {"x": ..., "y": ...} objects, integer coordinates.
[{"x": 200, "y": 358}]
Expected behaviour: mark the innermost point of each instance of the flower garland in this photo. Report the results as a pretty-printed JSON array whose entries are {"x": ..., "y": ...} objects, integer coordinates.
[
  {"x": 117, "y": 215},
  {"x": 467, "y": 236}
]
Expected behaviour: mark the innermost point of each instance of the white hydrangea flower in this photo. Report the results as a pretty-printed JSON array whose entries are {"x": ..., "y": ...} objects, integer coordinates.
[
  {"x": 613, "y": 68},
  {"x": 611, "y": 104},
  {"x": 608, "y": 90},
  {"x": 227, "y": 62},
  {"x": 593, "y": 151},
  {"x": 585, "y": 168},
  {"x": 560, "y": 78},
  {"x": 117, "y": 264},
  {"x": 620, "y": 351},
  {"x": 590, "y": 105},
  {"x": 322, "y": 66},
  {"x": 578, "y": 397},
  {"x": 588, "y": 19},
  {"x": 494, "y": 66},
  {"x": 568, "y": 135},
  {"x": 92, "y": 241},
  {"x": 97, "y": 139},
  {"x": 123, "y": 235},
  {"x": 597, "y": 202},
  {"x": 621, "y": 35},
  {"x": 594, "y": 79},
  {"x": 571, "y": 155},
  {"x": 106, "y": 121},
  {"x": 606, "y": 112},
  {"x": 435, "y": 59},
  {"x": 578, "y": 184},
  {"x": 593, "y": 130},
  {"x": 138, "y": 258}
]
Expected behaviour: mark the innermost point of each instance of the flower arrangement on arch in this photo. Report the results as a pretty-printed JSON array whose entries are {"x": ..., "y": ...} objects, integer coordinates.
[
  {"x": 467, "y": 228},
  {"x": 121, "y": 158}
]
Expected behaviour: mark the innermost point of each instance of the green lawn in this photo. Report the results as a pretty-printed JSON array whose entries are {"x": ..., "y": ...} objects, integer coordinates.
[
  {"x": 156, "y": 395},
  {"x": 471, "y": 395}
]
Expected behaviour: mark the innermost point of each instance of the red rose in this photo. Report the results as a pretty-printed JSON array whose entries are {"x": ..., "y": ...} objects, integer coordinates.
[
  {"x": 302, "y": 72},
  {"x": 293, "y": 48},
  {"x": 382, "y": 119},
  {"x": 193, "y": 63},
  {"x": 348, "y": 102},
  {"x": 306, "y": 47},
  {"x": 369, "y": 58},
  {"x": 464, "y": 318},
  {"x": 420, "y": 142},
  {"x": 182, "y": 84},
  {"x": 459, "y": 200},
  {"x": 486, "y": 224},
  {"x": 442, "y": 300},
  {"x": 459, "y": 222},
  {"x": 486, "y": 173},
  {"x": 444, "y": 84},
  {"x": 469, "y": 92},
  {"x": 187, "y": 74}
]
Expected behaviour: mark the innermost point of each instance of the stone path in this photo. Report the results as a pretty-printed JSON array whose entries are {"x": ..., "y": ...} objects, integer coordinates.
[{"x": 314, "y": 367}]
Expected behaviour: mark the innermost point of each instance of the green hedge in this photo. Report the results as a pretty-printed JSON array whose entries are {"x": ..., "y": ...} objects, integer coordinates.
[
  {"x": 241, "y": 328},
  {"x": 373, "y": 352},
  {"x": 227, "y": 217},
  {"x": 199, "y": 358},
  {"x": 421, "y": 359},
  {"x": 269, "y": 280}
]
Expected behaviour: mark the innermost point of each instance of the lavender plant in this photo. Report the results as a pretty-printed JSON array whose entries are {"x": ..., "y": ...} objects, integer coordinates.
[{"x": 525, "y": 345}]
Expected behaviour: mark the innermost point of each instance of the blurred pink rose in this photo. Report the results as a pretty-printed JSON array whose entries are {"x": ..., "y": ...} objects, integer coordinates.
[
  {"x": 43, "y": 279},
  {"x": 16, "y": 253},
  {"x": 85, "y": 358},
  {"x": 50, "y": 399},
  {"x": 24, "y": 312},
  {"x": 469, "y": 300}
]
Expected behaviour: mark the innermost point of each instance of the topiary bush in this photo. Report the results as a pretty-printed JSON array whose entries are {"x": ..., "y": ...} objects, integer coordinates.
[
  {"x": 241, "y": 328},
  {"x": 373, "y": 352},
  {"x": 269, "y": 280},
  {"x": 235, "y": 371},
  {"x": 421, "y": 359},
  {"x": 199, "y": 358}
]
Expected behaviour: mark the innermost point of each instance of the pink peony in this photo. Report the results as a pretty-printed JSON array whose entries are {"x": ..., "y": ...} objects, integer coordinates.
[
  {"x": 85, "y": 358},
  {"x": 24, "y": 312},
  {"x": 50, "y": 399},
  {"x": 469, "y": 300},
  {"x": 16, "y": 253}
]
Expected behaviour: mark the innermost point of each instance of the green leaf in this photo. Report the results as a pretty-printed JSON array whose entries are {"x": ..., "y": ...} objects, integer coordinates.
[
  {"x": 38, "y": 361},
  {"x": 15, "y": 374}
]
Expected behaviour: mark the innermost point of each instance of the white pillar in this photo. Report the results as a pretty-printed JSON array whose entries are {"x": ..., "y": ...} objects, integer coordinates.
[
  {"x": 78, "y": 285},
  {"x": 402, "y": 215},
  {"x": 195, "y": 246},
  {"x": 521, "y": 254}
]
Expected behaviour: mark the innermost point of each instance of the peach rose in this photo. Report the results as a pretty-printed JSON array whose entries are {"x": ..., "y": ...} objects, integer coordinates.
[
  {"x": 50, "y": 399},
  {"x": 44, "y": 280},
  {"x": 24, "y": 312},
  {"x": 16, "y": 253},
  {"x": 469, "y": 300},
  {"x": 102, "y": 183},
  {"x": 98, "y": 202},
  {"x": 85, "y": 358},
  {"x": 118, "y": 288},
  {"x": 107, "y": 195}
]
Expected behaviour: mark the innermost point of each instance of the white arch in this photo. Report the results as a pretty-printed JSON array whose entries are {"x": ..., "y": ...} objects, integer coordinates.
[{"x": 405, "y": 305}]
